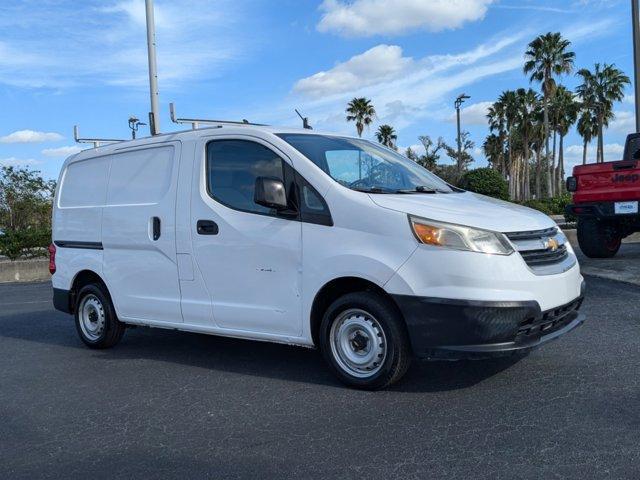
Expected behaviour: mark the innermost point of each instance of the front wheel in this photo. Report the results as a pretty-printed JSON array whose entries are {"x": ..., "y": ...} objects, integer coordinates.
[
  {"x": 96, "y": 320},
  {"x": 597, "y": 239},
  {"x": 364, "y": 341}
]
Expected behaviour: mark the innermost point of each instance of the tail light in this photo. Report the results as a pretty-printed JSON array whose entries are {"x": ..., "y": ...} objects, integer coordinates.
[
  {"x": 572, "y": 184},
  {"x": 52, "y": 259}
]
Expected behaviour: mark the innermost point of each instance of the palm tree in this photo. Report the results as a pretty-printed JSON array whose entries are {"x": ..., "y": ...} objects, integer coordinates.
[
  {"x": 386, "y": 135},
  {"x": 493, "y": 148},
  {"x": 547, "y": 56},
  {"x": 598, "y": 91},
  {"x": 497, "y": 123},
  {"x": 527, "y": 105},
  {"x": 361, "y": 111},
  {"x": 588, "y": 129},
  {"x": 567, "y": 109},
  {"x": 507, "y": 105}
]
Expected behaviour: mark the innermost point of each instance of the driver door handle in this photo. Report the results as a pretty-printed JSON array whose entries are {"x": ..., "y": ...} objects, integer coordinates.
[{"x": 207, "y": 227}]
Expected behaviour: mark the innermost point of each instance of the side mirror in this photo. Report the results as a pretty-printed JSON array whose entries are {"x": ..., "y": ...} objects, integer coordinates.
[{"x": 270, "y": 193}]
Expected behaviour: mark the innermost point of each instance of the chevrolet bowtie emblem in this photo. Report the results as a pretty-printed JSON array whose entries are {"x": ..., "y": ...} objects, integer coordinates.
[{"x": 551, "y": 244}]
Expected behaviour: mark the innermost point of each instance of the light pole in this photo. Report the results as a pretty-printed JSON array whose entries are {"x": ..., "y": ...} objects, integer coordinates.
[
  {"x": 636, "y": 57},
  {"x": 154, "y": 118},
  {"x": 459, "y": 101},
  {"x": 134, "y": 124}
]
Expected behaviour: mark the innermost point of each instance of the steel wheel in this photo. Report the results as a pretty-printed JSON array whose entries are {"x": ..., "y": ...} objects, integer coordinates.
[
  {"x": 92, "y": 317},
  {"x": 358, "y": 343}
]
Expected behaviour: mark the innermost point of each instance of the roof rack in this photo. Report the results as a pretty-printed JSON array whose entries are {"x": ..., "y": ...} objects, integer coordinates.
[
  {"x": 96, "y": 141},
  {"x": 196, "y": 121}
]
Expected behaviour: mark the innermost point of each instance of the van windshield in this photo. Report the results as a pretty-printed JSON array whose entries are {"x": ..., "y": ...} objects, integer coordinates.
[{"x": 364, "y": 166}]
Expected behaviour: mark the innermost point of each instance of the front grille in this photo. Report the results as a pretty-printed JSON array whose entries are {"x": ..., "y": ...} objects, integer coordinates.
[
  {"x": 544, "y": 257},
  {"x": 544, "y": 251},
  {"x": 549, "y": 321},
  {"x": 532, "y": 234}
]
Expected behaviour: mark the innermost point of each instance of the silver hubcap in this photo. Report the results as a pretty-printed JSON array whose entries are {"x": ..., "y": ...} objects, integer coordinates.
[
  {"x": 92, "y": 317},
  {"x": 358, "y": 343}
]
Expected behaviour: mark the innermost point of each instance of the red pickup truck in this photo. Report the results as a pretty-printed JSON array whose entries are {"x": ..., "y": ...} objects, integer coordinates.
[{"x": 605, "y": 201}]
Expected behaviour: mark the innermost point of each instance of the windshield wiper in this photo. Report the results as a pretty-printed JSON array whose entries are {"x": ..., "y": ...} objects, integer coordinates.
[
  {"x": 374, "y": 190},
  {"x": 422, "y": 189}
]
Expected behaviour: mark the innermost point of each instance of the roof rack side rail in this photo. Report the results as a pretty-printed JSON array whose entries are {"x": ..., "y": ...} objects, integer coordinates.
[
  {"x": 96, "y": 141},
  {"x": 195, "y": 122}
]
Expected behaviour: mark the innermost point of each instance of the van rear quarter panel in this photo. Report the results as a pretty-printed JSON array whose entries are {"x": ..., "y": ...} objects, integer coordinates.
[{"x": 77, "y": 217}]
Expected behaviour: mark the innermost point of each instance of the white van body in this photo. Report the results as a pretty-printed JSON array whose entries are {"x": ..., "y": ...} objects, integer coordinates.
[{"x": 128, "y": 214}]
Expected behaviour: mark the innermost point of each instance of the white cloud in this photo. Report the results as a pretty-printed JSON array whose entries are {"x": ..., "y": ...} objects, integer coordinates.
[
  {"x": 624, "y": 122},
  {"x": 384, "y": 64},
  {"x": 18, "y": 162},
  {"x": 378, "y": 64},
  {"x": 573, "y": 154},
  {"x": 365, "y": 18},
  {"x": 30, "y": 136},
  {"x": 195, "y": 39},
  {"x": 61, "y": 151},
  {"x": 475, "y": 114}
]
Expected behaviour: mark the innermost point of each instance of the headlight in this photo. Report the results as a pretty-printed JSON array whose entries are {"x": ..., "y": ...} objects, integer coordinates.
[{"x": 458, "y": 237}]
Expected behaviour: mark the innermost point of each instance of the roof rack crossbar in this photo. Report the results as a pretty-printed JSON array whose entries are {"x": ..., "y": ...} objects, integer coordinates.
[
  {"x": 196, "y": 121},
  {"x": 96, "y": 141}
]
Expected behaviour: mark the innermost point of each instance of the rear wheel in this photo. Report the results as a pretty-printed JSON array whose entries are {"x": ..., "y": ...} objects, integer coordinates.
[
  {"x": 598, "y": 239},
  {"x": 96, "y": 319},
  {"x": 364, "y": 341}
]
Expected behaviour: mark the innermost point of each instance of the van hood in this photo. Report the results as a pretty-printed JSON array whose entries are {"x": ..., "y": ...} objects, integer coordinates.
[{"x": 469, "y": 209}]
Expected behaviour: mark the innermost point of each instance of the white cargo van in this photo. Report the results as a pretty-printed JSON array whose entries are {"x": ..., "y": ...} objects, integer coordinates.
[{"x": 307, "y": 239}]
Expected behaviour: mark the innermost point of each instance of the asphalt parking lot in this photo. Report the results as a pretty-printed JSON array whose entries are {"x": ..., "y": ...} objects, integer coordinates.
[{"x": 175, "y": 405}]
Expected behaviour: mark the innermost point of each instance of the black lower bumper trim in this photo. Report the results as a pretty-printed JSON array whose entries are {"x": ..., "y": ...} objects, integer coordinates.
[
  {"x": 444, "y": 328},
  {"x": 62, "y": 300}
]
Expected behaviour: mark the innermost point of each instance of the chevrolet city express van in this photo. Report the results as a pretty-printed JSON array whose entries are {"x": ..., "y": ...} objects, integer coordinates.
[{"x": 308, "y": 239}]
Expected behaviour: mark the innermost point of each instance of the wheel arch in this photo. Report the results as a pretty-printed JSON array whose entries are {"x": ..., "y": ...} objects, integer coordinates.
[
  {"x": 336, "y": 288},
  {"x": 82, "y": 278}
]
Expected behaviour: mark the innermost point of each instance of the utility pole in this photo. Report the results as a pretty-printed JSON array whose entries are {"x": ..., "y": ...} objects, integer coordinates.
[
  {"x": 459, "y": 101},
  {"x": 154, "y": 118},
  {"x": 636, "y": 57}
]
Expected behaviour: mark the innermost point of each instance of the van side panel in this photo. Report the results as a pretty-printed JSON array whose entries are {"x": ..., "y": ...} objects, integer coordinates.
[{"x": 142, "y": 269}]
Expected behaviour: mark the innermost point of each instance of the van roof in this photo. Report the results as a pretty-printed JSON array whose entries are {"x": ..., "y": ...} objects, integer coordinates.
[{"x": 192, "y": 134}]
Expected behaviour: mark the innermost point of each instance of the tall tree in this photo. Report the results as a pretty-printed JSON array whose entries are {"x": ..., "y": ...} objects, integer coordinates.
[
  {"x": 386, "y": 135},
  {"x": 546, "y": 57},
  {"x": 587, "y": 128},
  {"x": 566, "y": 117},
  {"x": 361, "y": 111},
  {"x": 497, "y": 124},
  {"x": 598, "y": 91},
  {"x": 507, "y": 108},
  {"x": 493, "y": 149},
  {"x": 527, "y": 105}
]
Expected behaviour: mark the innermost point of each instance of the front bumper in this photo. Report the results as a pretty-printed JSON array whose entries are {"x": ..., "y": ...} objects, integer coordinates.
[{"x": 453, "y": 329}]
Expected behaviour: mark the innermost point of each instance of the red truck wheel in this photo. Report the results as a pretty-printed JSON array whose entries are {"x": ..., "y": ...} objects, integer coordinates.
[{"x": 598, "y": 240}]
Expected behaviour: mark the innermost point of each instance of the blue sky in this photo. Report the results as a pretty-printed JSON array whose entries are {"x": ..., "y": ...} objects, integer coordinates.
[{"x": 66, "y": 62}]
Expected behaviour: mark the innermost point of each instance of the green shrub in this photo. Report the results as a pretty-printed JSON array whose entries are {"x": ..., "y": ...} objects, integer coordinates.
[
  {"x": 486, "y": 181},
  {"x": 552, "y": 206},
  {"x": 33, "y": 242}
]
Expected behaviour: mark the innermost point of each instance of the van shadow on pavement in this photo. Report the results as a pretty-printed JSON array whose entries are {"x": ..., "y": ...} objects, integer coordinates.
[{"x": 221, "y": 354}]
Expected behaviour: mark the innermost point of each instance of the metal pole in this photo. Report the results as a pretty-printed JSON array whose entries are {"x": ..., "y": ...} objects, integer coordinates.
[
  {"x": 636, "y": 57},
  {"x": 458, "y": 102},
  {"x": 153, "y": 68}
]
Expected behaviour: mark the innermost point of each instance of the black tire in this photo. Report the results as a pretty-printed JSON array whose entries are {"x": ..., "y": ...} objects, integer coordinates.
[
  {"x": 397, "y": 356},
  {"x": 597, "y": 239},
  {"x": 108, "y": 329}
]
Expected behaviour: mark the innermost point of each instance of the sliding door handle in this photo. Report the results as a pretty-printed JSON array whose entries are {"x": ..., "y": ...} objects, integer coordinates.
[
  {"x": 207, "y": 227},
  {"x": 156, "y": 228}
]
